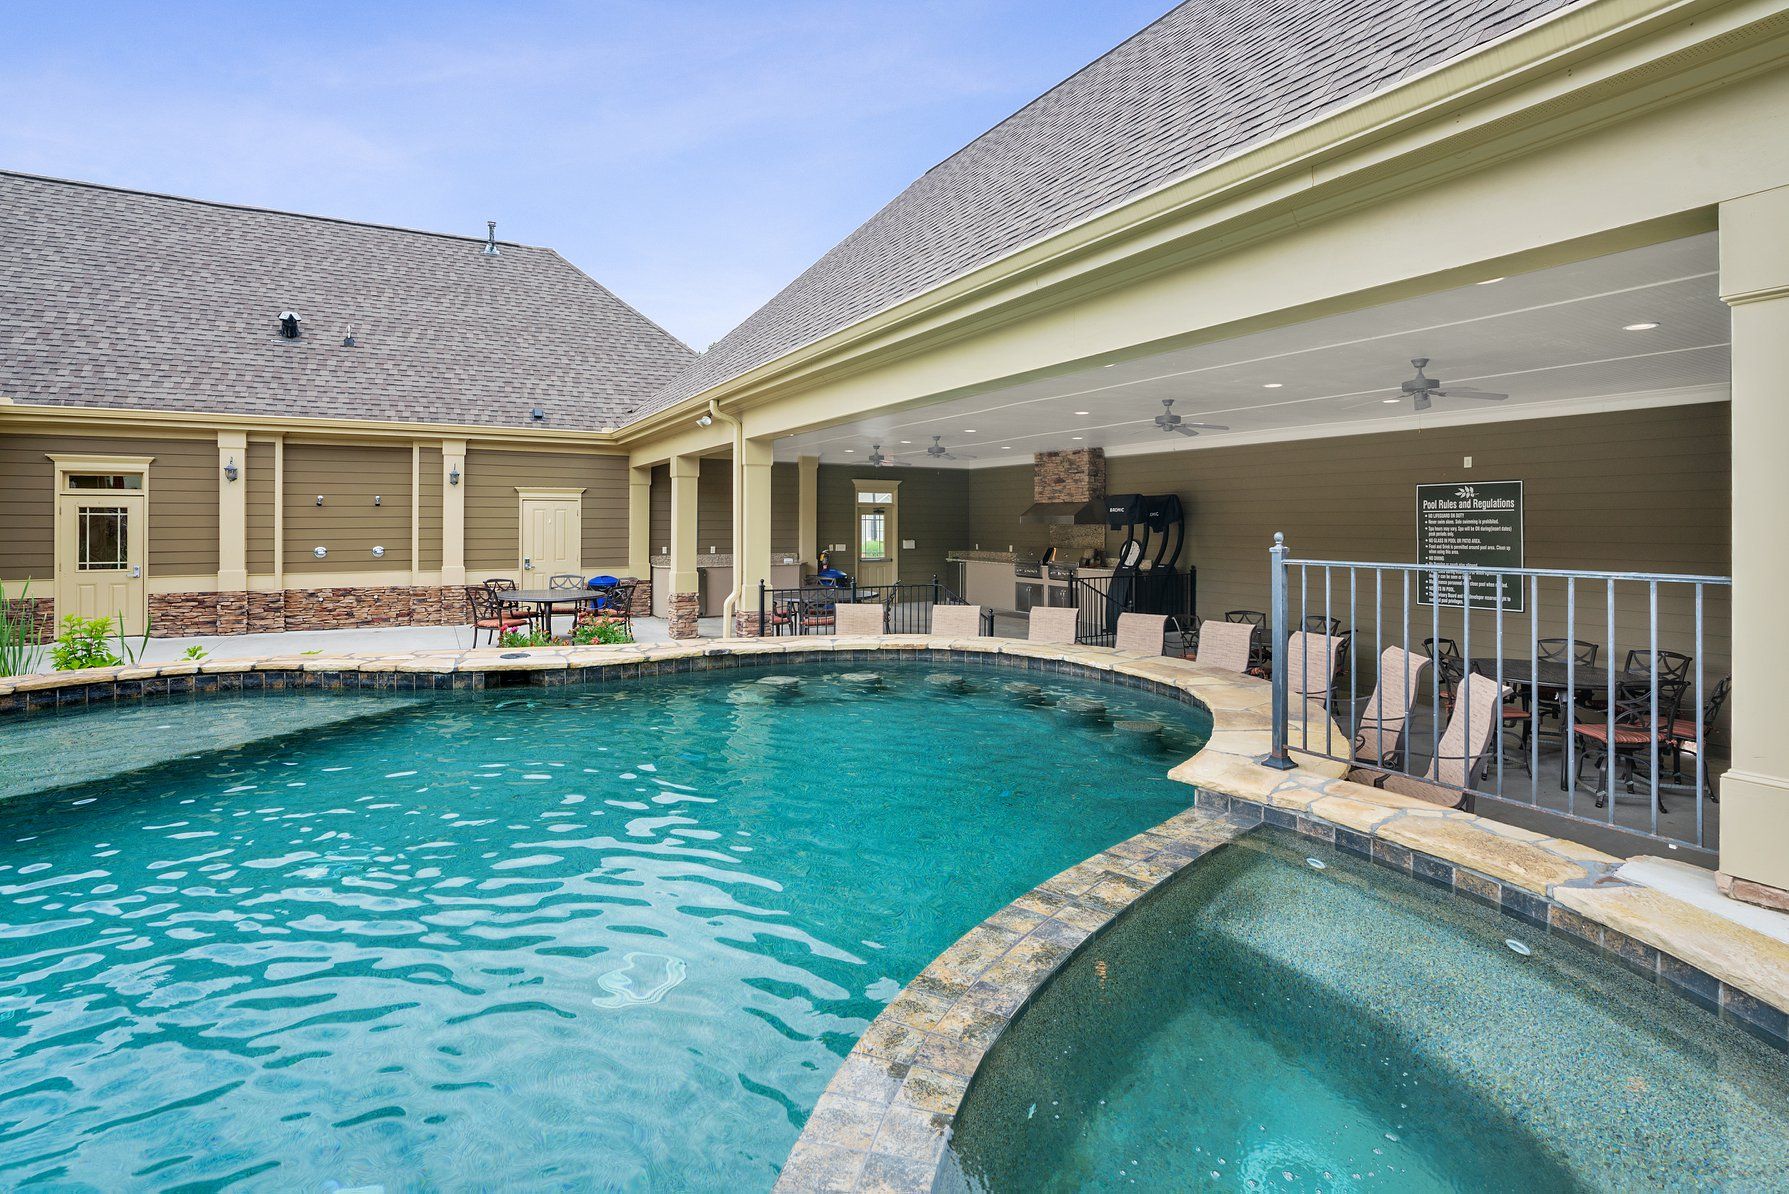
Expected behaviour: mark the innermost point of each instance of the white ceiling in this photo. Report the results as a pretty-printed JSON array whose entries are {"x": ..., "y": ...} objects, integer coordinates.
[{"x": 1554, "y": 340}]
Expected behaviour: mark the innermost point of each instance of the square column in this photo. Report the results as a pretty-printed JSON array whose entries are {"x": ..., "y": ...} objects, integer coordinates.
[
  {"x": 685, "y": 599},
  {"x": 453, "y": 513},
  {"x": 751, "y": 559},
  {"x": 1755, "y": 792},
  {"x": 232, "y": 532}
]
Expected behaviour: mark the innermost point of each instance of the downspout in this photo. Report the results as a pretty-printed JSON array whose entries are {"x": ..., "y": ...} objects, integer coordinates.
[{"x": 730, "y": 606}]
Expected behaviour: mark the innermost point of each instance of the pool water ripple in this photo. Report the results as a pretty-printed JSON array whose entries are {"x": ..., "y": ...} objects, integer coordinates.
[{"x": 617, "y": 936}]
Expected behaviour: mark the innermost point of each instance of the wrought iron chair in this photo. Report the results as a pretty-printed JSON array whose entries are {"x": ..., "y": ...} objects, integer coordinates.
[
  {"x": 489, "y": 616},
  {"x": 1680, "y": 734},
  {"x": 1636, "y": 731}
]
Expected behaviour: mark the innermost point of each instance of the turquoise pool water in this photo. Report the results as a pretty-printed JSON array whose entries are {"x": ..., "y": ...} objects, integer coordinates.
[
  {"x": 614, "y": 937},
  {"x": 1262, "y": 1024}
]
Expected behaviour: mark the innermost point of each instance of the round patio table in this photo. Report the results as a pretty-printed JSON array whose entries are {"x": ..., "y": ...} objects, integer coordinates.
[{"x": 543, "y": 601}]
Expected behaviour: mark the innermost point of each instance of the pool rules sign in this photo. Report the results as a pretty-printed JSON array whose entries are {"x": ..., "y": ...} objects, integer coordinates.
[{"x": 1479, "y": 526}]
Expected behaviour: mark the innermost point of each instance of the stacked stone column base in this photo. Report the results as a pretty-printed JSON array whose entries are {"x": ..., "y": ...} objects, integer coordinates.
[
  {"x": 745, "y": 623},
  {"x": 684, "y": 609}
]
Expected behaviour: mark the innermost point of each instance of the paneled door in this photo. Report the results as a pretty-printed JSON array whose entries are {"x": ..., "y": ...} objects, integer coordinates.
[
  {"x": 99, "y": 553},
  {"x": 878, "y": 532},
  {"x": 552, "y": 537}
]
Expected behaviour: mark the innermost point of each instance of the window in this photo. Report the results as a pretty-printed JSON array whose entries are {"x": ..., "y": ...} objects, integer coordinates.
[
  {"x": 104, "y": 543},
  {"x": 875, "y": 497},
  {"x": 105, "y": 481},
  {"x": 872, "y": 543}
]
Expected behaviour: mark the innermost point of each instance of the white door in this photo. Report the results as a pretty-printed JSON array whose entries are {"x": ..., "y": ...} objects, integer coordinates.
[
  {"x": 552, "y": 539},
  {"x": 99, "y": 557}
]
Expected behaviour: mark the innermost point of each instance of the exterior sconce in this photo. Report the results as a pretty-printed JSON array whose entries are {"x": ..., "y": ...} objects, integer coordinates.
[
  {"x": 705, "y": 421},
  {"x": 453, "y": 475},
  {"x": 230, "y": 470},
  {"x": 319, "y": 499},
  {"x": 319, "y": 551},
  {"x": 378, "y": 552},
  {"x": 376, "y": 500}
]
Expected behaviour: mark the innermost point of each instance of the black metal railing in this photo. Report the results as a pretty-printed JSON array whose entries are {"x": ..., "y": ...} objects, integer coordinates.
[
  {"x": 1502, "y": 668},
  {"x": 812, "y": 608},
  {"x": 1098, "y": 600}
]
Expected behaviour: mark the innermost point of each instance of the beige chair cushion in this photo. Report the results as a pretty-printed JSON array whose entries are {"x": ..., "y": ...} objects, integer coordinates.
[
  {"x": 1140, "y": 633},
  {"x": 1310, "y": 663},
  {"x": 1382, "y": 721},
  {"x": 1052, "y": 625},
  {"x": 858, "y": 618},
  {"x": 1226, "y": 645},
  {"x": 958, "y": 621}
]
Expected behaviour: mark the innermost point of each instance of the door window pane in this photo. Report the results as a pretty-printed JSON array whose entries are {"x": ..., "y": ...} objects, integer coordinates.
[
  {"x": 870, "y": 543},
  {"x": 104, "y": 541},
  {"x": 105, "y": 480}
]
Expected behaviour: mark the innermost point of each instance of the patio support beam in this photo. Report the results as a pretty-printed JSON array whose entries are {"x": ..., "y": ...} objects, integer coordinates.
[
  {"x": 639, "y": 521},
  {"x": 232, "y": 511},
  {"x": 807, "y": 530},
  {"x": 453, "y": 512},
  {"x": 1755, "y": 792},
  {"x": 684, "y": 599},
  {"x": 751, "y": 556}
]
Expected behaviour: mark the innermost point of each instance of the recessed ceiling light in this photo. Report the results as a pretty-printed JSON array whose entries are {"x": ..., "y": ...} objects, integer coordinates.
[
  {"x": 906, "y": 441},
  {"x": 1080, "y": 437},
  {"x": 850, "y": 451},
  {"x": 1639, "y": 327},
  {"x": 1488, "y": 281},
  {"x": 1114, "y": 363},
  {"x": 968, "y": 431},
  {"x": 1272, "y": 385},
  {"x": 1006, "y": 447},
  {"x": 1391, "y": 401},
  {"x": 1081, "y": 412}
]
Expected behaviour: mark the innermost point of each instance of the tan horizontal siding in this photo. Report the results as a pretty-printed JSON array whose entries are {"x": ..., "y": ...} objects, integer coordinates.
[
  {"x": 785, "y": 506},
  {"x": 183, "y": 483},
  {"x": 348, "y": 476},
  {"x": 494, "y": 512},
  {"x": 261, "y": 500},
  {"x": 428, "y": 508}
]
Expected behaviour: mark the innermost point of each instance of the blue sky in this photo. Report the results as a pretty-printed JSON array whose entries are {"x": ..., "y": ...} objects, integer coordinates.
[{"x": 693, "y": 157}]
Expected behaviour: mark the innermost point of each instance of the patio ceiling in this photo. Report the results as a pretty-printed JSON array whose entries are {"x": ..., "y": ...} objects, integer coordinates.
[{"x": 1556, "y": 340}]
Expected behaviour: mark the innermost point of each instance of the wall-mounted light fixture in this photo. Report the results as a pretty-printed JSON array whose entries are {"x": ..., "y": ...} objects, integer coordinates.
[
  {"x": 319, "y": 499},
  {"x": 378, "y": 552},
  {"x": 230, "y": 470},
  {"x": 453, "y": 475},
  {"x": 705, "y": 421},
  {"x": 377, "y": 501},
  {"x": 319, "y": 551}
]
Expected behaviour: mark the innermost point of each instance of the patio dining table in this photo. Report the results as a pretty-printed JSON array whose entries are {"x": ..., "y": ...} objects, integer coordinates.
[{"x": 543, "y": 601}]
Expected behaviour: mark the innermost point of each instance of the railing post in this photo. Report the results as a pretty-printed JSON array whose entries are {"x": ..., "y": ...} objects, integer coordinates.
[
  {"x": 761, "y": 626},
  {"x": 1278, "y": 757}
]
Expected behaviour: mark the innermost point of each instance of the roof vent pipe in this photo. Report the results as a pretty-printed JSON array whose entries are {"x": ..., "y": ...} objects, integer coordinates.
[
  {"x": 289, "y": 325},
  {"x": 490, "y": 249}
]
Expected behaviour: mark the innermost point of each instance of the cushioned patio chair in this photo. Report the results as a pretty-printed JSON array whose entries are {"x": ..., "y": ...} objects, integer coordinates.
[
  {"x": 1226, "y": 646},
  {"x": 491, "y": 617},
  {"x": 1051, "y": 625},
  {"x": 1379, "y": 735},
  {"x": 1478, "y": 705},
  {"x": 1311, "y": 664},
  {"x": 858, "y": 617},
  {"x": 958, "y": 621},
  {"x": 1142, "y": 634}
]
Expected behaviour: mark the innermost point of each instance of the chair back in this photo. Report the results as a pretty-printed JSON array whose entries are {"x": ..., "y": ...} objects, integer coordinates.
[
  {"x": 484, "y": 605},
  {"x": 1051, "y": 625},
  {"x": 1478, "y": 711},
  {"x": 1381, "y": 729},
  {"x": 565, "y": 580},
  {"x": 1310, "y": 664},
  {"x": 1557, "y": 650},
  {"x": 1634, "y": 702},
  {"x": 1141, "y": 633},
  {"x": 858, "y": 617},
  {"x": 1672, "y": 665},
  {"x": 1253, "y": 617},
  {"x": 501, "y": 584},
  {"x": 1711, "y": 711},
  {"x": 958, "y": 621},
  {"x": 1227, "y": 646},
  {"x": 1319, "y": 624}
]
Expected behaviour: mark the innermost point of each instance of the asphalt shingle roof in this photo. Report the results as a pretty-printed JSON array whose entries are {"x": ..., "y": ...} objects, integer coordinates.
[
  {"x": 1210, "y": 78},
  {"x": 120, "y": 298}
]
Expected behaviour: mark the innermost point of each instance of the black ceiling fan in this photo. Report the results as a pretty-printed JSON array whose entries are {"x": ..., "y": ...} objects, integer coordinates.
[
  {"x": 1169, "y": 421},
  {"x": 939, "y": 452},
  {"x": 878, "y": 459},
  {"x": 1422, "y": 388}
]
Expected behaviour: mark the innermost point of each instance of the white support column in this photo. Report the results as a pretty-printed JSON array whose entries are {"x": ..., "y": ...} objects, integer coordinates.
[
  {"x": 685, "y": 597},
  {"x": 639, "y": 522},
  {"x": 751, "y": 558},
  {"x": 453, "y": 512},
  {"x": 232, "y": 511},
  {"x": 807, "y": 531},
  {"x": 1755, "y": 791}
]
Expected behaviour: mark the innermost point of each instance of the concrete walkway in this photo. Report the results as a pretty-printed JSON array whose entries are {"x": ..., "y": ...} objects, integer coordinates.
[{"x": 338, "y": 642}]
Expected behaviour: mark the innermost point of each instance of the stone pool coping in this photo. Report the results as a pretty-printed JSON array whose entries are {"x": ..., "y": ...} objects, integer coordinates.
[{"x": 1549, "y": 882}]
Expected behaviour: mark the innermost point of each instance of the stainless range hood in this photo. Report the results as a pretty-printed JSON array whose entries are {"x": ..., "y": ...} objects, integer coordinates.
[{"x": 1066, "y": 514}]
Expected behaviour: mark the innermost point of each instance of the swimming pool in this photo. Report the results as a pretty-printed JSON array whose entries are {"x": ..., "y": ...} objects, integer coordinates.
[
  {"x": 1266, "y": 1023},
  {"x": 524, "y": 936}
]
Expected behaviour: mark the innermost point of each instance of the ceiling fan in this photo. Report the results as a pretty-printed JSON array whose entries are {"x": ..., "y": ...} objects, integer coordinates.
[
  {"x": 1169, "y": 421},
  {"x": 1422, "y": 388},
  {"x": 878, "y": 459},
  {"x": 939, "y": 452}
]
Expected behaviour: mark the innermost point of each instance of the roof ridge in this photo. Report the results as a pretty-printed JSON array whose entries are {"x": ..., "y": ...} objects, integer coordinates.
[{"x": 269, "y": 211}]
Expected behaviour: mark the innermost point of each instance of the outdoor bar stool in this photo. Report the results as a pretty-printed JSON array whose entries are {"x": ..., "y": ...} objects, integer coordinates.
[
  {"x": 958, "y": 621},
  {"x": 1141, "y": 633},
  {"x": 859, "y": 617},
  {"x": 1226, "y": 646}
]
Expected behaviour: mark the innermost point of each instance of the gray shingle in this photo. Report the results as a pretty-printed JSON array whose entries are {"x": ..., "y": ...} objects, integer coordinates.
[
  {"x": 120, "y": 298},
  {"x": 1210, "y": 78}
]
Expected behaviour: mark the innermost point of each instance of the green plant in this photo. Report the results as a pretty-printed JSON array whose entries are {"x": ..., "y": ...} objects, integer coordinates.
[
  {"x": 133, "y": 652},
  {"x": 528, "y": 638},
  {"x": 600, "y": 631},
  {"x": 194, "y": 653},
  {"x": 83, "y": 644},
  {"x": 21, "y": 644}
]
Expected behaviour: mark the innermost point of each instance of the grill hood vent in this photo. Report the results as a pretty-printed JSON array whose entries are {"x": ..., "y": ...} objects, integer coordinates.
[{"x": 1065, "y": 513}]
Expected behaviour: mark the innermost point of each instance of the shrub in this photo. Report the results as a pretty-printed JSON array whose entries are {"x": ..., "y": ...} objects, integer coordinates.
[
  {"x": 83, "y": 643},
  {"x": 600, "y": 630},
  {"x": 528, "y": 638},
  {"x": 20, "y": 645},
  {"x": 194, "y": 653}
]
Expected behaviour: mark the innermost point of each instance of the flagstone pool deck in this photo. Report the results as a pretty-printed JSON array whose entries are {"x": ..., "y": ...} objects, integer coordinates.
[{"x": 885, "y": 1118}]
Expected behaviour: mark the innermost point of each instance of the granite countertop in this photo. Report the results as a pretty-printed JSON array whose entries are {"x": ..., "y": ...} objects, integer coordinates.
[
  {"x": 980, "y": 557},
  {"x": 721, "y": 560}
]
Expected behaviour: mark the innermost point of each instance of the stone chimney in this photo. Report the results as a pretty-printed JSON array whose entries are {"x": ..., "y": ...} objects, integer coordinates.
[{"x": 1075, "y": 476}]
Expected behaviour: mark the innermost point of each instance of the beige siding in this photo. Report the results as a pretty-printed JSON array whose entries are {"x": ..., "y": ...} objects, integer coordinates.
[
  {"x": 494, "y": 512},
  {"x": 785, "y": 507},
  {"x": 661, "y": 510},
  {"x": 348, "y": 523},
  {"x": 428, "y": 509},
  {"x": 1633, "y": 491},
  {"x": 261, "y": 500},
  {"x": 183, "y": 483},
  {"x": 934, "y": 513}
]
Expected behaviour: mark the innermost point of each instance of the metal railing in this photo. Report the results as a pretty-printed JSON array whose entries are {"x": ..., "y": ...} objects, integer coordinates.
[
  {"x": 1643, "y": 691},
  {"x": 907, "y": 606},
  {"x": 1098, "y": 600}
]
